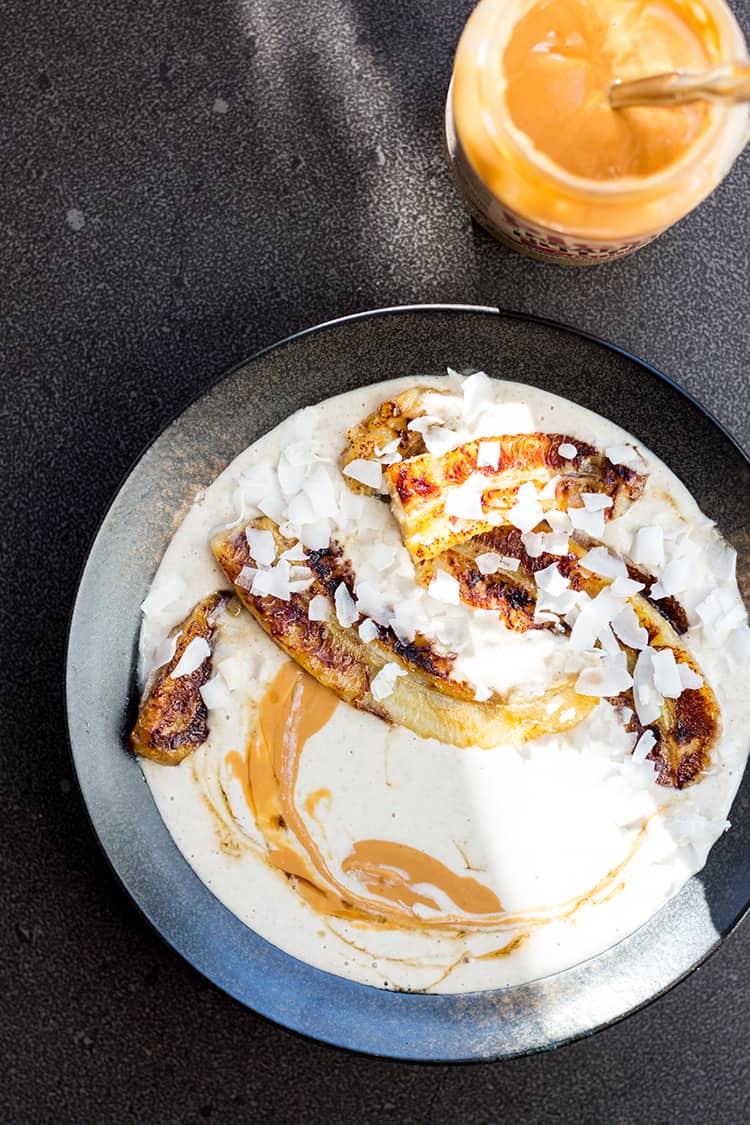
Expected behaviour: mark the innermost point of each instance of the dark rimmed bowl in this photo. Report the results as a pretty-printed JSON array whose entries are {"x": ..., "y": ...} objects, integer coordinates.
[{"x": 187, "y": 455}]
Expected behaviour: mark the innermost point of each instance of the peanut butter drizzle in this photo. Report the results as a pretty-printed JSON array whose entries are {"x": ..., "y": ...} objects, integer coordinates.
[
  {"x": 390, "y": 870},
  {"x": 293, "y": 709},
  {"x": 312, "y": 800},
  {"x": 237, "y": 765}
]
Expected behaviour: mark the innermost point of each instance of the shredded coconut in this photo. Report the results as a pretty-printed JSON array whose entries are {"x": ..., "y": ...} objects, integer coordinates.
[
  {"x": 192, "y": 658},
  {"x": 383, "y": 684},
  {"x": 346, "y": 610},
  {"x": 368, "y": 473}
]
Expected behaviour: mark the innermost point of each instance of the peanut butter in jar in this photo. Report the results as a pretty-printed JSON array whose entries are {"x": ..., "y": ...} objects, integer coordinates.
[{"x": 542, "y": 160}]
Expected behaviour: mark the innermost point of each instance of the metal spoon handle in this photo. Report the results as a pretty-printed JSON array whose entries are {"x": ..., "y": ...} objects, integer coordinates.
[{"x": 725, "y": 85}]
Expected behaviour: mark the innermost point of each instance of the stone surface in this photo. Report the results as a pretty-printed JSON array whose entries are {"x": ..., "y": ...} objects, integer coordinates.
[{"x": 181, "y": 184}]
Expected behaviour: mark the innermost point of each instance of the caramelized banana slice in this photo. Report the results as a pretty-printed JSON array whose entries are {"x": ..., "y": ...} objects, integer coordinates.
[
  {"x": 173, "y": 717},
  {"x": 421, "y": 486},
  {"x": 424, "y": 699},
  {"x": 687, "y": 728}
]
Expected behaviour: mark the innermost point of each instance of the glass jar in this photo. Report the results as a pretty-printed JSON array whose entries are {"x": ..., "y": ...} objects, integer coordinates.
[{"x": 531, "y": 203}]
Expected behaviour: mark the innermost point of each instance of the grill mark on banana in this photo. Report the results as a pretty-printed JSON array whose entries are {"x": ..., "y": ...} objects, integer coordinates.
[{"x": 426, "y": 701}]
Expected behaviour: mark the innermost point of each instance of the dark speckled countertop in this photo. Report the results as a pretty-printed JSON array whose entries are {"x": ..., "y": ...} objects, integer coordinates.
[{"x": 183, "y": 183}]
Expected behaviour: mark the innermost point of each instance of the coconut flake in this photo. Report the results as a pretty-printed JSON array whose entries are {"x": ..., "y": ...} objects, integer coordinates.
[
  {"x": 667, "y": 679},
  {"x": 368, "y": 631},
  {"x": 319, "y": 608},
  {"x": 215, "y": 693},
  {"x": 370, "y": 602},
  {"x": 545, "y": 542},
  {"x": 316, "y": 536},
  {"x": 346, "y": 610},
  {"x": 368, "y": 473},
  {"x": 607, "y": 678},
  {"x": 594, "y": 615},
  {"x": 545, "y": 616},
  {"x": 526, "y": 513},
  {"x": 383, "y": 684},
  {"x": 162, "y": 595},
  {"x": 624, "y": 455},
  {"x": 689, "y": 679},
  {"x": 273, "y": 506},
  {"x": 533, "y": 543},
  {"x": 647, "y": 547},
  {"x": 592, "y": 523},
  {"x": 596, "y": 501},
  {"x": 648, "y": 699},
  {"x": 388, "y": 449},
  {"x": 318, "y": 488},
  {"x": 257, "y": 483},
  {"x": 465, "y": 501},
  {"x": 352, "y": 505},
  {"x": 192, "y": 658},
  {"x": 559, "y": 521},
  {"x": 549, "y": 492},
  {"x": 300, "y": 510},
  {"x": 291, "y": 474},
  {"x": 444, "y": 588},
  {"x": 246, "y": 577},
  {"x": 300, "y": 579},
  {"x": 711, "y": 610},
  {"x": 425, "y": 422},
  {"x": 404, "y": 622},
  {"x": 557, "y": 604},
  {"x": 164, "y": 651},
  {"x": 488, "y": 454},
  {"x": 628, "y": 628},
  {"x": 478, "y": 394},
  {"x": 551, "y": 581},
  {"x": 675, "y": 578},
  {"x": 273, "y": 583},
  {"x": 262, "y": 545},
  {"x": 301, "y": 453},
  {"x": 295, "y": 553},
  {"x": 599, "y": 561},
  {"x": 567, "y": 450},
  {"x": 490, "y": 562},
  {"x": 608, "y": 642},
  {"x": 626, "y": 587},
  {"x": 644, "y": 746},
  {"x": 440, "y": 440}
]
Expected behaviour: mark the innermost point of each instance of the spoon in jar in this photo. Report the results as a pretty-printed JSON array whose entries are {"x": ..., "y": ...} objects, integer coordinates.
[{"x": 724, "y": 85}]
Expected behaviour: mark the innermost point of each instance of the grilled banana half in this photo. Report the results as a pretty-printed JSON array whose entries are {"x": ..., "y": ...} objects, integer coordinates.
[
  {"x": 687, "y": 728},
  {"x": 173, "y": 719},
  {"x": 426, "y": 699},
  {"x": 421, "y": 487}
]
